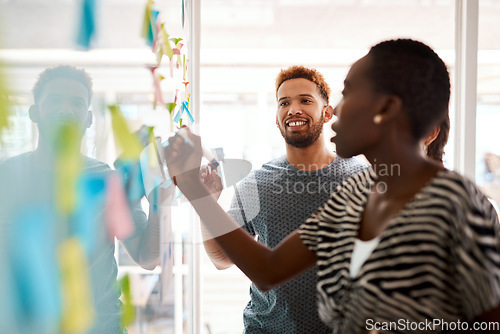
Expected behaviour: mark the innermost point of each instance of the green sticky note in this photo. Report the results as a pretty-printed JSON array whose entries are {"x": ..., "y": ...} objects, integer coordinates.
[
  {"x": 167, "y": 49},
  {"x": 147, "y": 23},
  {"x": 176, "y": 40},
  {"x": 5, "y": 106},
  {"x": 128, "y": 311},
  {"x": 170, "y": 106}
]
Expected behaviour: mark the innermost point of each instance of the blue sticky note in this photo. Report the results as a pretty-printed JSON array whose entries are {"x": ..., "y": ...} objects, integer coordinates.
[
  {"x": 183, "y": 14},
  {"x": 35, "y": 271},
  {"x": 91, "y": 192},
  {"x": 185, "y": 108},
  {"x": 132, "y": 178},
  {"x": 8, "y": 302},
  {"x": 178, "y": 115},
  {"x": 86, "y": 29},
  {"x": 152, "y": 27}
]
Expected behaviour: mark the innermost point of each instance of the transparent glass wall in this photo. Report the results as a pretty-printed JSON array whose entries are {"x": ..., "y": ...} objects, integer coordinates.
[
  {"x": 40, "y": 34},
  {"x": 244, "y": 44}
]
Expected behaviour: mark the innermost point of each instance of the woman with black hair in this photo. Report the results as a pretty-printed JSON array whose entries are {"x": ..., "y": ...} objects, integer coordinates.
[{"x": 406, "y": 245}]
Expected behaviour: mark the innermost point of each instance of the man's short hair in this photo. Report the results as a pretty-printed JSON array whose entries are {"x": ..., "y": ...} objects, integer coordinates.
[
  {"x": 65, "y": 72},
  {"x": 311, "y": 74}
]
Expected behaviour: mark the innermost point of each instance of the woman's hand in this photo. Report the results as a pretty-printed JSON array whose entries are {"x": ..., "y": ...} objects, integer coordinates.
[{"x": 183, "y": 156}]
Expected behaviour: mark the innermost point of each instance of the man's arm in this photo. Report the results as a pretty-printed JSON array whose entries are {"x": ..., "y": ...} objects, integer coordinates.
[{"x": 144, "y": 245}]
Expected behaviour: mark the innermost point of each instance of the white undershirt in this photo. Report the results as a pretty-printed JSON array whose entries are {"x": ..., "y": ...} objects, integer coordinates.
[{"x": 361, "y": 252}]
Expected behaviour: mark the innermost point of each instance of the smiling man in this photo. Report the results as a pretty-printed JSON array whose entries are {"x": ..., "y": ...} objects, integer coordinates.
[{"x": 275, "y": 200}]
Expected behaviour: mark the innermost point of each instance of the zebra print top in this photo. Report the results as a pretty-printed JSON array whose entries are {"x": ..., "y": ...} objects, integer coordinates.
[{"x": 438, "y": 259}]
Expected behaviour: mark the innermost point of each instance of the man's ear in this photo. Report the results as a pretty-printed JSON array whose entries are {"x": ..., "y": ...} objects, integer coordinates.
[
  {"x": 90, "y": 118},
  {"x": 328, "y": 113},
  {"x": 34, "y": 113}
]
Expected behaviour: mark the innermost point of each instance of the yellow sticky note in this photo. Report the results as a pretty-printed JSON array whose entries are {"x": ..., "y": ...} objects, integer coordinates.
[
  {"x": 68, "y": 167},
  {"x": 179, "y": 61},
  {"x": 4, "y": 102},
  {"x": 147, "y": 22},
  {"x": 128, "y": 141},
  {"x": 152, "y": 151},
  {"x": 167, "y": 49},
  {"x": 78, "y": 312},
  {"x": 184, "y": 67}
]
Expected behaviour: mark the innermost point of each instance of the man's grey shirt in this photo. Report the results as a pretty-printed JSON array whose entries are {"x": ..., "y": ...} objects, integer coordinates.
[{"x": 271, "y": 203}]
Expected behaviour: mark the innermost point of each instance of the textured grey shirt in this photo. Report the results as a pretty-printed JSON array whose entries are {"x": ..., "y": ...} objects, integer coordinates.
[{"x": 271, "y": 203}]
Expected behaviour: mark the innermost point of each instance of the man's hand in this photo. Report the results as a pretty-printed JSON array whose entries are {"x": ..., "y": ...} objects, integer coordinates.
[{"x": 211, "y": 180}]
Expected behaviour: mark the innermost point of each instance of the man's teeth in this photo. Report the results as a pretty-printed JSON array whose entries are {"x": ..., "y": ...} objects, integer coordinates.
[{"x": 298, "y": 123}]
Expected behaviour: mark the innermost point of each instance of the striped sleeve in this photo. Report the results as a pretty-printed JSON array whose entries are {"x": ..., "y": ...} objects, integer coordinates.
[
  {"x": 336, "y": 209},
  {"x": 476, "y": 232},
  {"x": 308, "y": 231}
]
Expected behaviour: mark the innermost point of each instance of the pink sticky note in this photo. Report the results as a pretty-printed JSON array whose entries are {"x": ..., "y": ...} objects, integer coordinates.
[
  {"x": 175, "y": 98},
  {"x": 158, "y": 96},
  {"x": 118, "y": 217}
]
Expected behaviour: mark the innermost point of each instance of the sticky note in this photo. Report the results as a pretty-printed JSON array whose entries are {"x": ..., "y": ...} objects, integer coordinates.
[
  {"x": 86, "y": 29},
  {"x": 89, "y": 209},
  {"x": 34, "y": 269},
  {"x": 78, "y": 312},
  {"x": 184, "y": 67},
  {"x": 129, "y": 142},
  {"x": 176, "y": 41},
  {"x": 148, "y": 23},
  {"x": 182, "y": 18},
  {"x": 118, "y": 217},
  {"x": 4, "y": 102},
  {"x": 132, "y": 177},
  {"x": 185, "y": 108},
  {"x": 128, "y": 311},
  {"x": 167, "y": 49},
  {"x": 158, "y": 96}
]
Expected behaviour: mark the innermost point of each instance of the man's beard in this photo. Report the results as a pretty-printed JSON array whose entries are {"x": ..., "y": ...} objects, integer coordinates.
[{"x": 301, "y": 141}]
